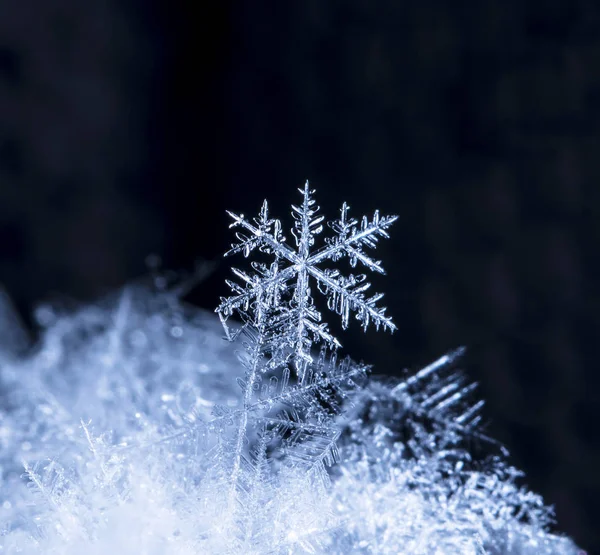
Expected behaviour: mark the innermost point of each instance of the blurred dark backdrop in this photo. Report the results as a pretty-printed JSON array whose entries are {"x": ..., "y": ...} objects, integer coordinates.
[{"x": 128, "y": 127}]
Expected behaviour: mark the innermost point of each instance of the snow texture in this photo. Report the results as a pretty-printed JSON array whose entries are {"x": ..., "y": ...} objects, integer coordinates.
[{"x": 132, "y": 427}]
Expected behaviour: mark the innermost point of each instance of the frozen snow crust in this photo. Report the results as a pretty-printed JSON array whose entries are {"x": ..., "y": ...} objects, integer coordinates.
[{"x": 106, "y": 447}]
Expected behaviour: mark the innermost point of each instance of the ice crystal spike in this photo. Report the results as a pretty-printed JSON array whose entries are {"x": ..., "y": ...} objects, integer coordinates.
[{"x": 284, "y": 290}]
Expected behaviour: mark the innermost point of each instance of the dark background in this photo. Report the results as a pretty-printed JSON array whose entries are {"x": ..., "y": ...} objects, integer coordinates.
[{"x": 128, "y": 127}]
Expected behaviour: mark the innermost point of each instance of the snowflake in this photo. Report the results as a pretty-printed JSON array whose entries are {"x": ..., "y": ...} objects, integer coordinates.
[{"x": 298, "y": 322}]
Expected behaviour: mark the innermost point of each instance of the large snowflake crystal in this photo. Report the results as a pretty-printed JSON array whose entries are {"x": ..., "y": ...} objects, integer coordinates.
[{"x": 283, "y": 289}]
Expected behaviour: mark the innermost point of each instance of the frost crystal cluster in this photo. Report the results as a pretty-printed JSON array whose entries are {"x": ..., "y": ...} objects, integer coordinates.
[{"x": 133, "y": 428}]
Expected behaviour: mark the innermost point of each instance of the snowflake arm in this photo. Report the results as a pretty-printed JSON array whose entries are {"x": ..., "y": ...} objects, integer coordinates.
[
  {"x": 346, "y": 294},
  {"x": 254, "y": 286},
  {"x": 266, "y": 235},
  {"x": 307, "y": 224},
  {"x": 349, "y": 240}
]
